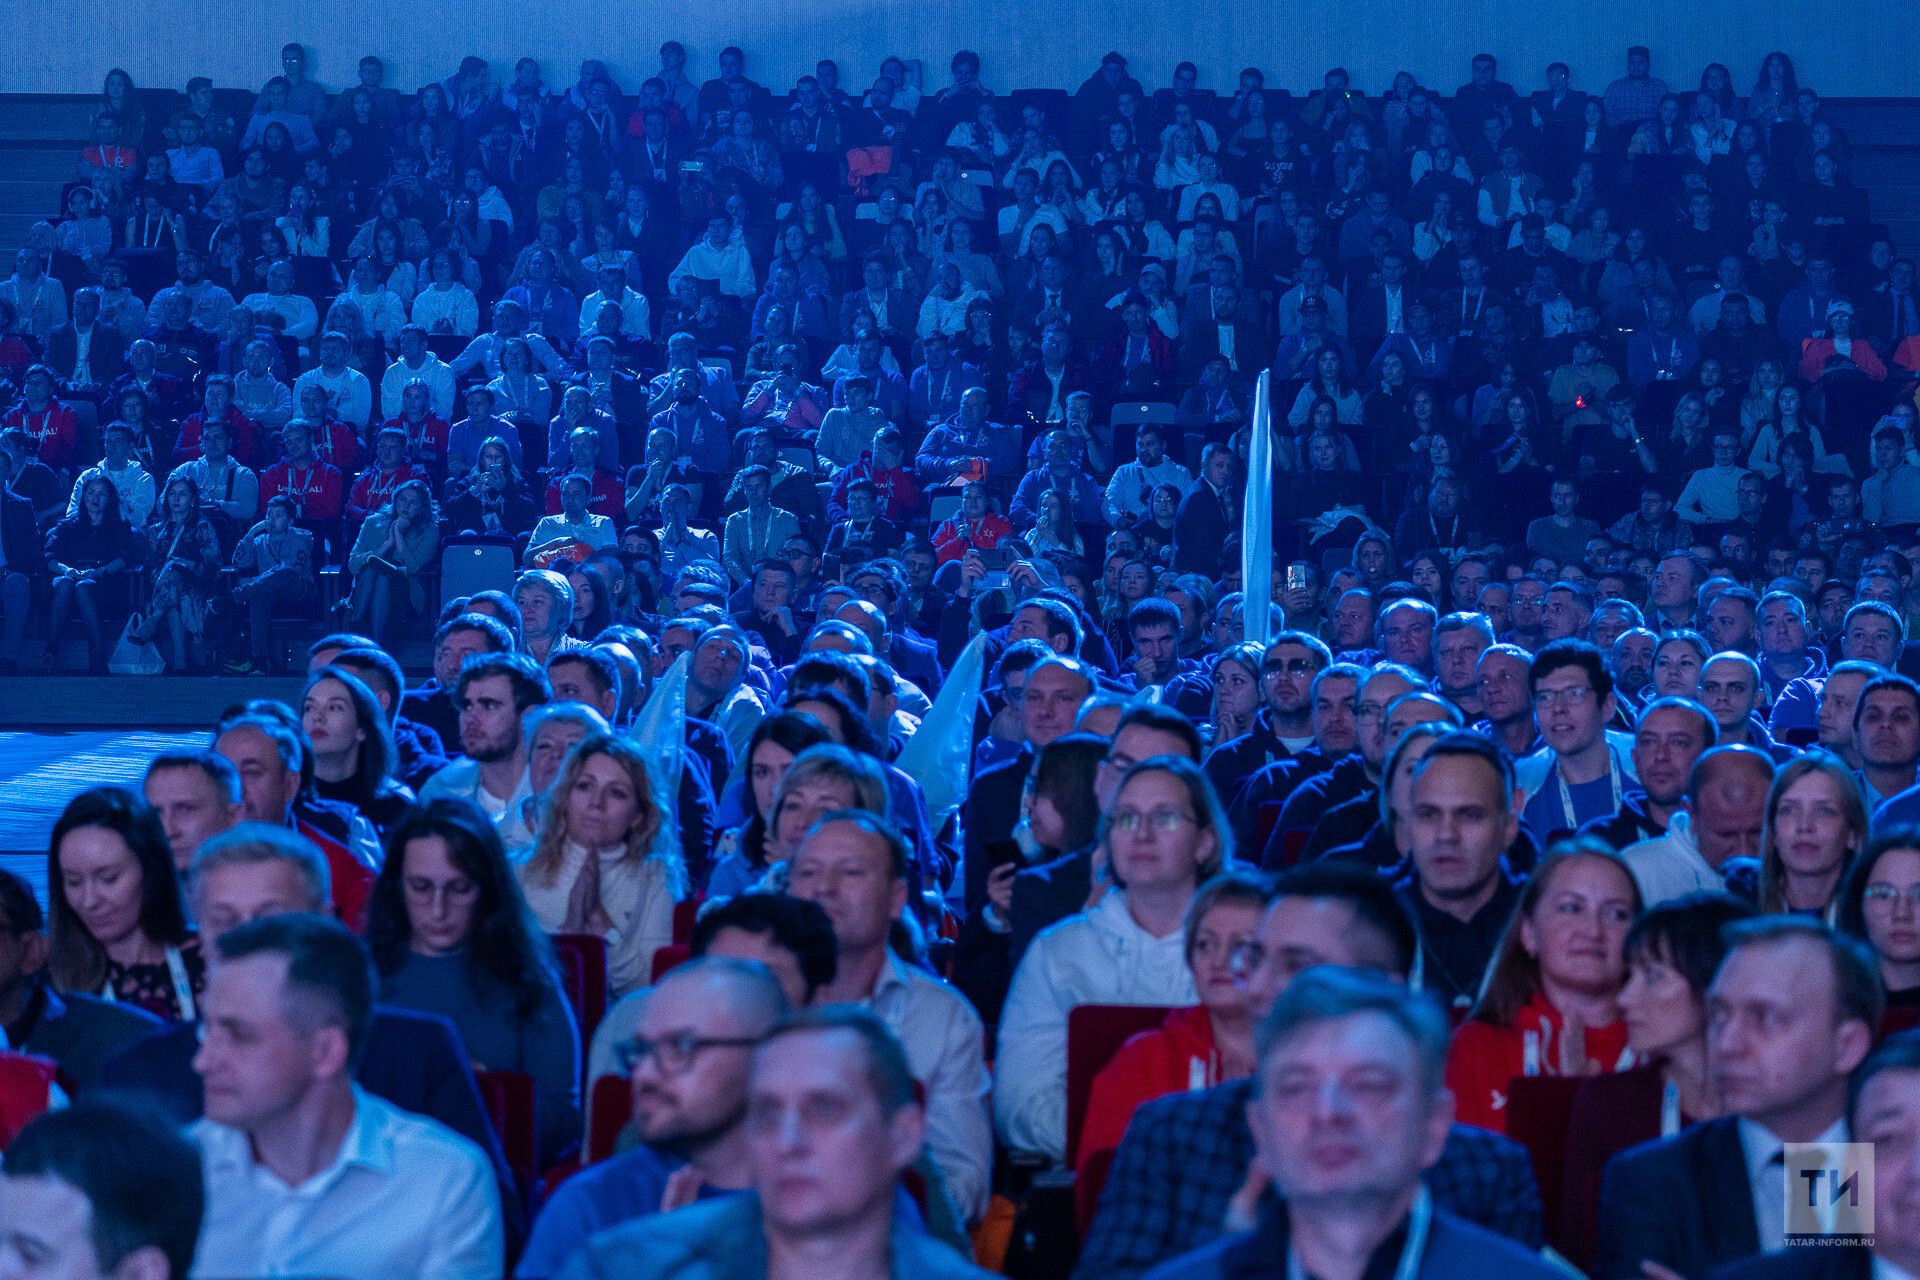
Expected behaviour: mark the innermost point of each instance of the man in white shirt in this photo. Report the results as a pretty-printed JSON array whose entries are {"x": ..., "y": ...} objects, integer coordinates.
[
  {"x": 1712, "y": 493},
  {"x": 1792, "y": 1010},
  {"x": 635, "y": 321},
  {"x": 417, "y": 364},
  {"x": 854, "y": 865},
  {"x": 121, "y": 469},
  {"x": 210, "y": 302},
  {"x": 509, "y": 321},
  {"x": 298, "y": 319},
  {"x": 306, "y": 1173},
  {"x": 223, "y": 482},
  {"x": 719, "y": 258},
  {"x": 1719, "y": 819},
  {"x": 1133, "y": 482},
  {"x": 574, "y": 523},
  {"x": 757, "y": 530},
  {"x": 380, "y": 306},
  {"x": 38, "y": 299},
  {"x": 1891, "y": 495},
  {"x": 349, "y": 394}
]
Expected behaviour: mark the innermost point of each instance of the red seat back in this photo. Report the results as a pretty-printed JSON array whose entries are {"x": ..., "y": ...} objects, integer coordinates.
[
  {"x": 1538, "y": 1109},
  {"x": 1095, "y": 1033},
  {"x": 669, "y": 957},
  {"x": 684, "y": 914},
  {"x": 512, "y": 1108},
  {"x": 611, "y": 1106},
  {"x": 583, "y": 971}
]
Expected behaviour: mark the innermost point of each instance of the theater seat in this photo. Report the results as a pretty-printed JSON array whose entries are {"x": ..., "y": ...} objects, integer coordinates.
[
  {"x": 1095, "y": 1033},
  {"x": 670, "y": 956},
  {"x": 1538, "y": 1109},
  {"x": 513, "y": 1110},
  {"x": 612, "y": 1106},
  {"x": 583, "y": 972}
]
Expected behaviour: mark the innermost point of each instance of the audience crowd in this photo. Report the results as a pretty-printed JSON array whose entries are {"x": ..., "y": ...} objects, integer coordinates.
[{"x": 848, "y": 828}]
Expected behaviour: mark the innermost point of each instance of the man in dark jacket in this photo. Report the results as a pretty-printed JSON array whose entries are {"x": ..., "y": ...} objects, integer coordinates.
[{"x": 1209, "y": 511}]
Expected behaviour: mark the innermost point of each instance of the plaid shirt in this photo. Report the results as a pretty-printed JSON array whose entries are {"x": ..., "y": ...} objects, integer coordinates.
[{"x": 1184, "y": 1156}]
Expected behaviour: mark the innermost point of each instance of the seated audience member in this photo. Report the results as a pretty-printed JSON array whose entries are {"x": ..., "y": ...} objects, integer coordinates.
[
  {"x": 1672, "y": 951},
  {"x": 493, "y": 692},
  {"x": 1718, "y": 822},
  {"x": 687, "y": 1059},
  {"x": 1194, "y": 1048},
  {"x": 854, "y": 865},
  {"x": 1876, "y": 906},
  {"x": 1465, "y": 817},
  {"x": 782, "y": 802},
  {"x": 101, "y": 1189},
  {"x": 353, "y": 753},
  {"x": 600, "y": 863},
  {"x": 118, "y": 920},
  {"x": 1815, "y": 824},
  {"x": 390, "y": 557},
  {"x": 1331, "y": 1030},
  {"x": 450, "y": 934},
  {"x": 1791, "y": 1011},
  {"x": 183, "y": 557},
  {"x": 835, "y": 1196},
  {"x": 197, "y": 794},
  {"x": 276, "y": 563},
  {"x": 296, "y": 991},
  {"x": 92, "y": 555},
  {"x": 1164, "y": 834},
  {"x": 76, "y": 1031},
  {"x": 1550, "y": 1005}
]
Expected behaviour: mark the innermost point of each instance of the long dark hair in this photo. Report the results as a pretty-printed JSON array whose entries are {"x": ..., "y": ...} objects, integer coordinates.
[
  {"x": 793, "y": 732},
  {"x": 504, "y": 944},
  {"x": 79, "y": 961},
  {"x": 377, "y": 754}
]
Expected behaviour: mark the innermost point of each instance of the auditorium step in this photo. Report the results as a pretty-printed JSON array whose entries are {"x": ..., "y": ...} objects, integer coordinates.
[{"x": 152, "y": 702}]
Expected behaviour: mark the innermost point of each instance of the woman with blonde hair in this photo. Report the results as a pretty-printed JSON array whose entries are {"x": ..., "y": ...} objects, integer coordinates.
[
  {"x": 600, "y": 864},
  {"x": 1816, "y": 821},
  {"x": 820, "y": 780},
  {"x": 1550, "y": 1004}
]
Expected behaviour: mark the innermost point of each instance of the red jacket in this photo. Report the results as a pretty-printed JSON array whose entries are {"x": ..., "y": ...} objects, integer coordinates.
[
  {"x": 351, "y": 880},
  {"x": 26, "y": 1091},
  {"x": 374, "y": 489},
  {"x": 609, "y": 496},
  {"x": 1174, "y": 1057},
  {"x": 426, "y": 440},
  {"x": 899, "y": 495},
  {"x": 244, "y": 438},
  {"x": 317, "y": 489},
  {"x": 335, "y": 442},
  {"x": 1815, "y": 352},
  {"x": 949, "y": 545},
  {"x": 55, "y": 431},
  {"x": 1487, "y": 1059}
]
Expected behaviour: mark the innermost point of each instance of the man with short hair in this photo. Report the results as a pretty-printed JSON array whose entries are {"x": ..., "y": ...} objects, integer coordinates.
[
  {"x": 287, "y": 1008},
  {"x": 1186, "y": 1157},
  {"x": 1351, "y": 1057},
  {"x": 1730, "y": 689},
  {"x": 494, "y": 692},
  {"x": 1718, "y": 821},
  {"x": 1886, "y": 733},
  {"x": 1670, "y": 735},
  {"x": 1792, "y": 1010},
  {"x": 1459, "y": 639},
  {"x": 1283, "y": 724},
  {"x": 1506, "y": 698},
  {"x": 430, "y": 702},
  {"x": 687, "y": 1063},
  {"x": 1583, "y": 770},
  {"x": 854, "y": 866},
  {"x": 823, "y": 1198},
  {"x": 1331, "y": 699},
  {"x": 1465, "y": 816},
  {"x": 103, "y": 1190},
  {"x": 1130, "y": 489},
  {"x": 197, "y": 795}
]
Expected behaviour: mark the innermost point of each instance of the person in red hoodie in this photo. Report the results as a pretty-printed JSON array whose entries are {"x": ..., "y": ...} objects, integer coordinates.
[
  {"x": 897, "y": 493},
  {"x": 51, "y": 424},
  {"x": 391, "y": 468},
  {"x": 217, "y": 406},
  {"x": 1551, "y": 1002},
  {"x": 1194, "y": 1048},
  {"x": 426, "y": 432},
  {"x": 316, "y": 488},
  {"x": 975, "y": 527}
]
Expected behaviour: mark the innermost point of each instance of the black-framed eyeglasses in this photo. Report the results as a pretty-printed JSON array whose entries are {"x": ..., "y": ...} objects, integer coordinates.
[{"x": 674, "y": 1054}]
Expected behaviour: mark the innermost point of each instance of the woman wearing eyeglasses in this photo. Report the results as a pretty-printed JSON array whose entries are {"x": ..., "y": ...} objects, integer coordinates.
[
  {"x": 1550, "y": 1005},
  {"x": 1880, "y": 904},
  {"x": 451, "y": 935},
  {"x": 1163, "y": 834}
]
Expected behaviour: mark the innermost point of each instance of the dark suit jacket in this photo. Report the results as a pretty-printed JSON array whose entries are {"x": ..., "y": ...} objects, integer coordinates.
[
  {"x": 1200, "y": 342},
  {"x": 1683, "y": 1202},
  {"x": 916, "y": 660},
  {"x": 105, "y": 355},
  {"x": 903, "y": 314},
  {"x": 81, "y": 1032},
  {"x": 1455, "y": 1248},
  {"x": 20, "y": 534},
  {"x": 1200, "y": 530}
]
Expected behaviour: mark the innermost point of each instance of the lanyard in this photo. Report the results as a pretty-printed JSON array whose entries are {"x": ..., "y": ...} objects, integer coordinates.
[
  {"x": 182, "y": 988},
  {"x": 1669, "y": 1110},
  {"x": 1566, "y": 793},
  {"x": 1419, "y": 1220}
]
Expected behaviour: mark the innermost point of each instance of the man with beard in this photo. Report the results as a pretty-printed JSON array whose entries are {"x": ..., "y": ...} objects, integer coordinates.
[
  {"x": 1283, "y": 726},
  {"x": 688, "y": 1064},
  {"x": 1631, "y": 659},
  {"x": 494, "y": 692}
]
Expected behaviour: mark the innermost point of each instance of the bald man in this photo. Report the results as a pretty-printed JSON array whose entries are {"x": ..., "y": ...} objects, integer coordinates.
[{"x": 1718, "y": 822}]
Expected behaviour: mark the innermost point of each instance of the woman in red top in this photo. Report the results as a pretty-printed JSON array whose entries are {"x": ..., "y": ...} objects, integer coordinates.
[
  {"x": 1193, "y": 1048},
  {"x": 1551, "y": 1002}
]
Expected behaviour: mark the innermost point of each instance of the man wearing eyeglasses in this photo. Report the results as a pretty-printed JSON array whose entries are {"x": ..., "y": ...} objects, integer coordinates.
[
  {"x": 1585, "y": 770},
  {"x": 1283, "y": 726},
  {"x": 688, "y": 1064},
  {"x": 1330, "y": 714}
]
